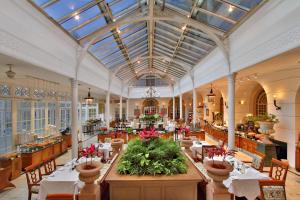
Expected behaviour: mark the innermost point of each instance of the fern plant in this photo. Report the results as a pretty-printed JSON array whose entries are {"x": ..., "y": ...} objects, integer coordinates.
[{"x": 152, "y": 157}]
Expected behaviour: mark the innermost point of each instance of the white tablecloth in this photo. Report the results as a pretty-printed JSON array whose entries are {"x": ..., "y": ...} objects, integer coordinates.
[
  {"x": 105, "y": 148},
  {"x": 197, "y": 147},
  {"x": 64, "y": 180},
  {"x": 243, "y": 184}
]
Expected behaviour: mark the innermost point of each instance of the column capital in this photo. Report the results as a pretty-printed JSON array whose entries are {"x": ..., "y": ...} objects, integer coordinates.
[{"x": 74, "y": 82}]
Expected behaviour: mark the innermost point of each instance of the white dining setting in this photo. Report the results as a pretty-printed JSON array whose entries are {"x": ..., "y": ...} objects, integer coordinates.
[{"x": 196, "y": 148}]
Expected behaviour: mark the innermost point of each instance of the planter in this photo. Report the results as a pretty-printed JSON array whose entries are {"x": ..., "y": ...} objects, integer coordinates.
[
  {"x": 218, "y": 174},
  {"x": 117, "y": 144},
  {"x": 186, "y": 142},
  {"x": 266, "y": 128},
  {"x": 90, "y": 191}
]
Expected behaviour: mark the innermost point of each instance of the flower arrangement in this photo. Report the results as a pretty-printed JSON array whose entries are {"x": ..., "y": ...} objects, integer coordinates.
[
  {"x": 89, "y": 152},
  {"x": 184, "y": 130},
  {"x": 263, "y": 118},
  {"x": 219, "y": 151},
  {"x": 150, "y": 134}
]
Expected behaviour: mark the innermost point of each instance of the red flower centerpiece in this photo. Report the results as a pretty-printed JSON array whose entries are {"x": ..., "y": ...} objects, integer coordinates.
[
  {"x": 149, "y": 134},
  {"x": 184, "y": 130},
  {"x": 218, "y": 170},
  {"x": 89, "y": 171}
]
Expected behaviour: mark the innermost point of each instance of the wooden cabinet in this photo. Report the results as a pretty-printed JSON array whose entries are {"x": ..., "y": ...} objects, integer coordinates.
[
  {"x": 68, "y": 139},
  {"x": 298, "y": 157},
  {"x": 57, "y": 149},
  {"x": 64, "y": 146},
  {"x": 31, "y": 158},
  {"x": 14, "y": 162}
]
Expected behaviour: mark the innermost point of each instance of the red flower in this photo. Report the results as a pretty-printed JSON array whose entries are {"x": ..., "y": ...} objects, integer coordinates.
[{"x": 144, "y": 134}]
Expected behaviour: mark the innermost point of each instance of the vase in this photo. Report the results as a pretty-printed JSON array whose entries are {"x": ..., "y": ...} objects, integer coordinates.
[
  {"x": 266, "y": 128},
  {"x": 90, "y": 191},
  {"x": 117, "y": 144},
  {"x": 218, "y": 174}
]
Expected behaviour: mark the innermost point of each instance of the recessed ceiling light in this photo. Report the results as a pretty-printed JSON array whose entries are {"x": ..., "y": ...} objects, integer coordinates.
[
  {"x": 188, "y": 16},
  {"x": 230, "y": 9},
  {"x": 114, "y": 20},
  {"x": 138, "y": 62},
  {"x": 118, "y": 31},
  {"x": 183, "y": 28},
  {"x": 77, "y": 17}
]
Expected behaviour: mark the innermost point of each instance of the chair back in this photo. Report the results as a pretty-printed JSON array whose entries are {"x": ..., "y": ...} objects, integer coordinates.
[
  {"x": 49, "y": 166},
  {"x": 272, "y": 190},
  {"x": 62, "y": 197},
  {"x": 258, "y": 161},
  {"x": 278, "y": 170},
  {"x": 205, "y": 150},
  {"x": 33, "y": 175}
]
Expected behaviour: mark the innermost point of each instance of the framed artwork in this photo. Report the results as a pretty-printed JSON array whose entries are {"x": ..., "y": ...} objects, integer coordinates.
[{"x": 207, "y": 112}]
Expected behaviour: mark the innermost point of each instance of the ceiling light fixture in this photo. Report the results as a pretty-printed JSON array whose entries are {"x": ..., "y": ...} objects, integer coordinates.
[
  {"x": 77, "y": 17},
  {"x": 230, "y": 9},
  {"x": 118, "y": 31},
  {"x": 89, "y": 99},
  {"x": 138, "y": 62},
  {"x": 211, "y": 95},
  {"x": 183, "y": 28},
  {"x": 10, "y": 74}
]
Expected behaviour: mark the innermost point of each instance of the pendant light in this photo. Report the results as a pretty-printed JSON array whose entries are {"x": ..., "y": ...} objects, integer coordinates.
[
  {"x": 211, "y": 95},
  {"x": 89, "y": 99},
  {"x": 10, "y": 74}
]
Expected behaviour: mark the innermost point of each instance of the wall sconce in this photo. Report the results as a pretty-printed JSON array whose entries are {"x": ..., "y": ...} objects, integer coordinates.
[
  {"x": 242, "y": 102},
  {"x": 275, "y": 103},
  {"x": 226, "y": 106}
]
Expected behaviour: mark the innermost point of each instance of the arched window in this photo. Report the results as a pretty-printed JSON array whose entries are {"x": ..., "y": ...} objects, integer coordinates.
[{"x": 261, "y": 104}]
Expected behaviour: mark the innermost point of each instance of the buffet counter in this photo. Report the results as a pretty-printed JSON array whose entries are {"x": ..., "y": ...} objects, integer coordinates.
[
  {"x": 36, "y": 153},
  {"x": 243, "y": 142}
]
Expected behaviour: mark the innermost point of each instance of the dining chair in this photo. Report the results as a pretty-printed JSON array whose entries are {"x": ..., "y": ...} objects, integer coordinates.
[
  {"x": 257, "y": 161},
  {"x": 62, "y": 197},
  {"x": 205, "y": 150},
  {"x": 278, "y": 170},
  {"x": 272, "y": 190},
  {"x": 33, "y": 177},
  {"x": 49, "y": 166}
]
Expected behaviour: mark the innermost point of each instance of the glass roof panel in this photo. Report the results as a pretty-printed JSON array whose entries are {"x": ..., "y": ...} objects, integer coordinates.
[
  {"x": 40, "y": 2},
  {"x": 246, "y": 3},
  {"x": 64, "y": 7},
  {"x": 81, "y": 18},
  {"x": 214, "y": 21},
  {"x": 182, "y": 4},
  {"x": 89, "y": 28},
  {"x": 121, "y": 6}
]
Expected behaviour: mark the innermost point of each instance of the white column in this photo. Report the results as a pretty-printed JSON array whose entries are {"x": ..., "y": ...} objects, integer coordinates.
[
  {"x": 121, "y": 107},
  {"x": 14, "y": 119},
  {"x": 173, "y": 107},
  {"x": 180, "y": 105},
  {"x": 127, "y": 109},
  {"x": 57, "y": 113},
  {"x": 194, "y": 107},
  {"x": 107, "y": 109},
  {"x": 46, "y": 115},
  {"x": 74, "y": 85},
  {"x": 32, "y": 122},
  {"x": 231, "y": 110}
]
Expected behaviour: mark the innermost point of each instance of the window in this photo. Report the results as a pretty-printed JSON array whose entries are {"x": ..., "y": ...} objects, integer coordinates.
[
  {"x": 65, "y": 113},
  {"x": 5, "y": 126},
  {"x": 24, "y": 116},
  {"x": 51, "y": 113},
  {"x": 261, "y": 104},
  {"x": 39, "y": 117}
]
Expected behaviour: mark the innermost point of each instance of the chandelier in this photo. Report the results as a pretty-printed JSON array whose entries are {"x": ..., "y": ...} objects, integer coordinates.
[{"x": 151, "y": 92}]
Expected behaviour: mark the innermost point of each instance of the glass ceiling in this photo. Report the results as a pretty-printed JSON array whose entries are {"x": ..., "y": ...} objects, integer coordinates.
[{"x": 130, "y": 50}]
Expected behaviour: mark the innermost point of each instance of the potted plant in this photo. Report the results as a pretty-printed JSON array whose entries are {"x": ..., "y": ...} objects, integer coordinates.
[
  {"x": 266, "y": 124},
  {"x": 89, "y": 171},
  {"x": 218, "y": 170}
]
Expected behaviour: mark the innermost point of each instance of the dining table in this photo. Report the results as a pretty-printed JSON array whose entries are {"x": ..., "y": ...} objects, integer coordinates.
[
  {"x": 243, "y": 181},
  {"x": 65, "y": 180},
  {"x": 196, "y": 148}
]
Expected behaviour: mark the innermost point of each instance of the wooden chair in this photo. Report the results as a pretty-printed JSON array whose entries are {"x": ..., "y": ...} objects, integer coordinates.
[
  {"x": 205, "y": 149},
  {"x": 257, "y": 161},
  {"x": 33, "y": 177},
  {"x": 278, "y": 170},
  {"x": 62, "y": 197},
  {"x": 49, "y": 166},
  {"x": 272, "y": 190}
]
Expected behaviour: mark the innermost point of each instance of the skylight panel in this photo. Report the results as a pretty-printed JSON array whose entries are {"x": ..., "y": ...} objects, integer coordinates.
[
  {"x": 182, "y": 4},
  {"x": 89, "y": 28},
  {"x": 65, "y": 7},
  {"x": 40, "y": 2},
  {"x": 121, "y": 6},
  {"x": 82, "y": 18}
]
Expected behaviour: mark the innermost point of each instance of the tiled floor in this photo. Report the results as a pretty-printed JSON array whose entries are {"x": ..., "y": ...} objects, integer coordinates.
[{"x": 20, "y": 192}]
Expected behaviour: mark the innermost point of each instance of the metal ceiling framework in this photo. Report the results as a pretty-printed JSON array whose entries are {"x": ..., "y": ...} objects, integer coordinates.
[{"x": 137, "y": 37}]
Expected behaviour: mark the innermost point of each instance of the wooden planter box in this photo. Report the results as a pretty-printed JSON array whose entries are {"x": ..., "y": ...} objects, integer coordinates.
[
  {"x": 165, "y": 135},
  {"x": 176, "y": 187},
  {"x": 101, "y": 137}
]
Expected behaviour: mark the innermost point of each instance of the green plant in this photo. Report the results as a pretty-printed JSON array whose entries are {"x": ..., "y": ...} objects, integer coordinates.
[
  {"x": 267, "y": 118},
  {"x": 152, "y": 157}
]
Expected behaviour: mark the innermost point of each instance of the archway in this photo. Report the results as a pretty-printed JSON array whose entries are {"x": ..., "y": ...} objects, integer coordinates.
[{"x": 150, "y": 106}]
